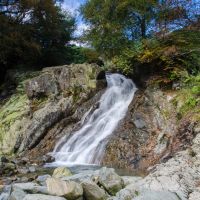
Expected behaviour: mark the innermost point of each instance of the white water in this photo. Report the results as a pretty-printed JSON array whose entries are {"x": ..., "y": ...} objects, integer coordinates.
[{"x": 86, "y": 146}]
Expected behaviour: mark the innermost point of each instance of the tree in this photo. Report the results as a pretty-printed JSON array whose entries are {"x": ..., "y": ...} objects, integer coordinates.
[
  {"x": 33, "y": 32},
  {"x": 116, "y": 22}
]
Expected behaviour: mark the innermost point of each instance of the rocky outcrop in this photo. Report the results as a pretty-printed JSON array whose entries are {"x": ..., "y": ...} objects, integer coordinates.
[
  {"x": 177, "y": 179},
  {"x": 150, "y": 133},
  {"x": 45, "y": 101}
]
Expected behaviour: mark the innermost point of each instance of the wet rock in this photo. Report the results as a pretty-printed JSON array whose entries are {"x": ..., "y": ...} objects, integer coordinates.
[
  {"x": 41, "y": 197},
  {"x": 111, "y": 181},
  {"x": 48, "y": 159},
  {"x": 92, "y": 191},
  {"x": 17, "y": 195},
  {"x": 149, "y": 132},
  {"x": 61, "y": 172},
  {"x": 69, "y": 189}
]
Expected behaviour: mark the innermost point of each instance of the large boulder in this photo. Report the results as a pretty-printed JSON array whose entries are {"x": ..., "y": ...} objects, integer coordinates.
[
  {"x": 92, "y": 191},
  {"x": 69, "y": 189},
  {"x": 62, "y": 78},
  {"x": 41, "y": 102},
  {"x": 61, "y": 172},
  {"x": 110, "y": 181},
  {"x": 43, "y": 85}
]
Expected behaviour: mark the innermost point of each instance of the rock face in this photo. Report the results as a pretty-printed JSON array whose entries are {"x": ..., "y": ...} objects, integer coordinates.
[
  {"x": 41, "y": 197},
  {"x": 42, "y": 102},
  {"x": 150, "y": 133}
]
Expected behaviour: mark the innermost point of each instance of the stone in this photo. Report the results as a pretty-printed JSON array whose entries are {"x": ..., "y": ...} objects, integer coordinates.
[
  {"x": 156, "y": 195},
  {"x": 125, "y": 194},
  {"x": 131, "y": 179},
  {"x": 139, "y": 123},
  {"x": 17, "y": 195},
  {"x": 48, "y": 97},
  {"x": 9, "y": 166},
  {"x": 69, "y": 189},
  {"x": 111, "y": 181},
  {"x": 61, "y": 172},
  {"x": 42, "y": 120},
  {"x": 24, "y": 179},
  {"x": 41, "y": 197},
  {"x": 30, "y": 187},
  {"x": 23, "y": 170},
  {"x": 4, "y": 195},
  {"x": 4, "y": 159},
  {"x": 92, "y": 191},
  {"x": 42, "y": 179},
  {"x": 43, "y": 85},
  {"x": 81, "y": 177},
  {"x": 32, "y": 169}
]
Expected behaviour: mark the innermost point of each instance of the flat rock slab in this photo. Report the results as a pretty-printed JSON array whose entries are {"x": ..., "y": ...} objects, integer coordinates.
[
  {"x": 33, "y": 188},
  {"x": 41, "y": 197},
  {"x": 157, "y": 195}
]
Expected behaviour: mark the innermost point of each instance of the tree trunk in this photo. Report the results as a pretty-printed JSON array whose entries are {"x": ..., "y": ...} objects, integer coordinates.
[{"x": 143, "y": 27}]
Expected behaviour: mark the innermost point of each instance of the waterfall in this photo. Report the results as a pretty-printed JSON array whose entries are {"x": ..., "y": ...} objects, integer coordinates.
[{"x": 86, "y": 146}]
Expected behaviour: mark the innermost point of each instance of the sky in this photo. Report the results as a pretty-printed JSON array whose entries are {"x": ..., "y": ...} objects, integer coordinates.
[{"x": 73, "y": 6}]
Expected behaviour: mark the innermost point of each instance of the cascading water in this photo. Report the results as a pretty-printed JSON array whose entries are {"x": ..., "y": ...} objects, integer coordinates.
[{"x": 86, "y": 146}]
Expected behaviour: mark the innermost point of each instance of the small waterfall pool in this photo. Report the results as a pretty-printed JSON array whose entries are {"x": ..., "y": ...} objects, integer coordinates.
[{"x": 86, "y": 146}]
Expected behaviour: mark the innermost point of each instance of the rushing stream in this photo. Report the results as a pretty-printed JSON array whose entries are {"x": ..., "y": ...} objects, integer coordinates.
[{"x": 86, "y": 146}]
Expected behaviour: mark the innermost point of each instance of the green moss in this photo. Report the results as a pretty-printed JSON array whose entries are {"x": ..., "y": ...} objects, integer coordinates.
[
  {"x": 13, "y": 110},
  {"x": 136, "y": 193},
  {"x": 188, "y": 97}
]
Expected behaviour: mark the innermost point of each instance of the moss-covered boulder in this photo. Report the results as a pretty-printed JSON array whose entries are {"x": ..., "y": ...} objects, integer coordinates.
[{"x": 40, "y": 101}]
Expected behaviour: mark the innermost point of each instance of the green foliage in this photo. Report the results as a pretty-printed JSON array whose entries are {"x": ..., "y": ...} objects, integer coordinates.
[
  {"x": 167, "y": 58},
  {"x": 188, "y": 95},
  {"x": 80, "y": 55},
  {"x": 39, "y": 39},
  {"x": 114, "y": 25}
]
